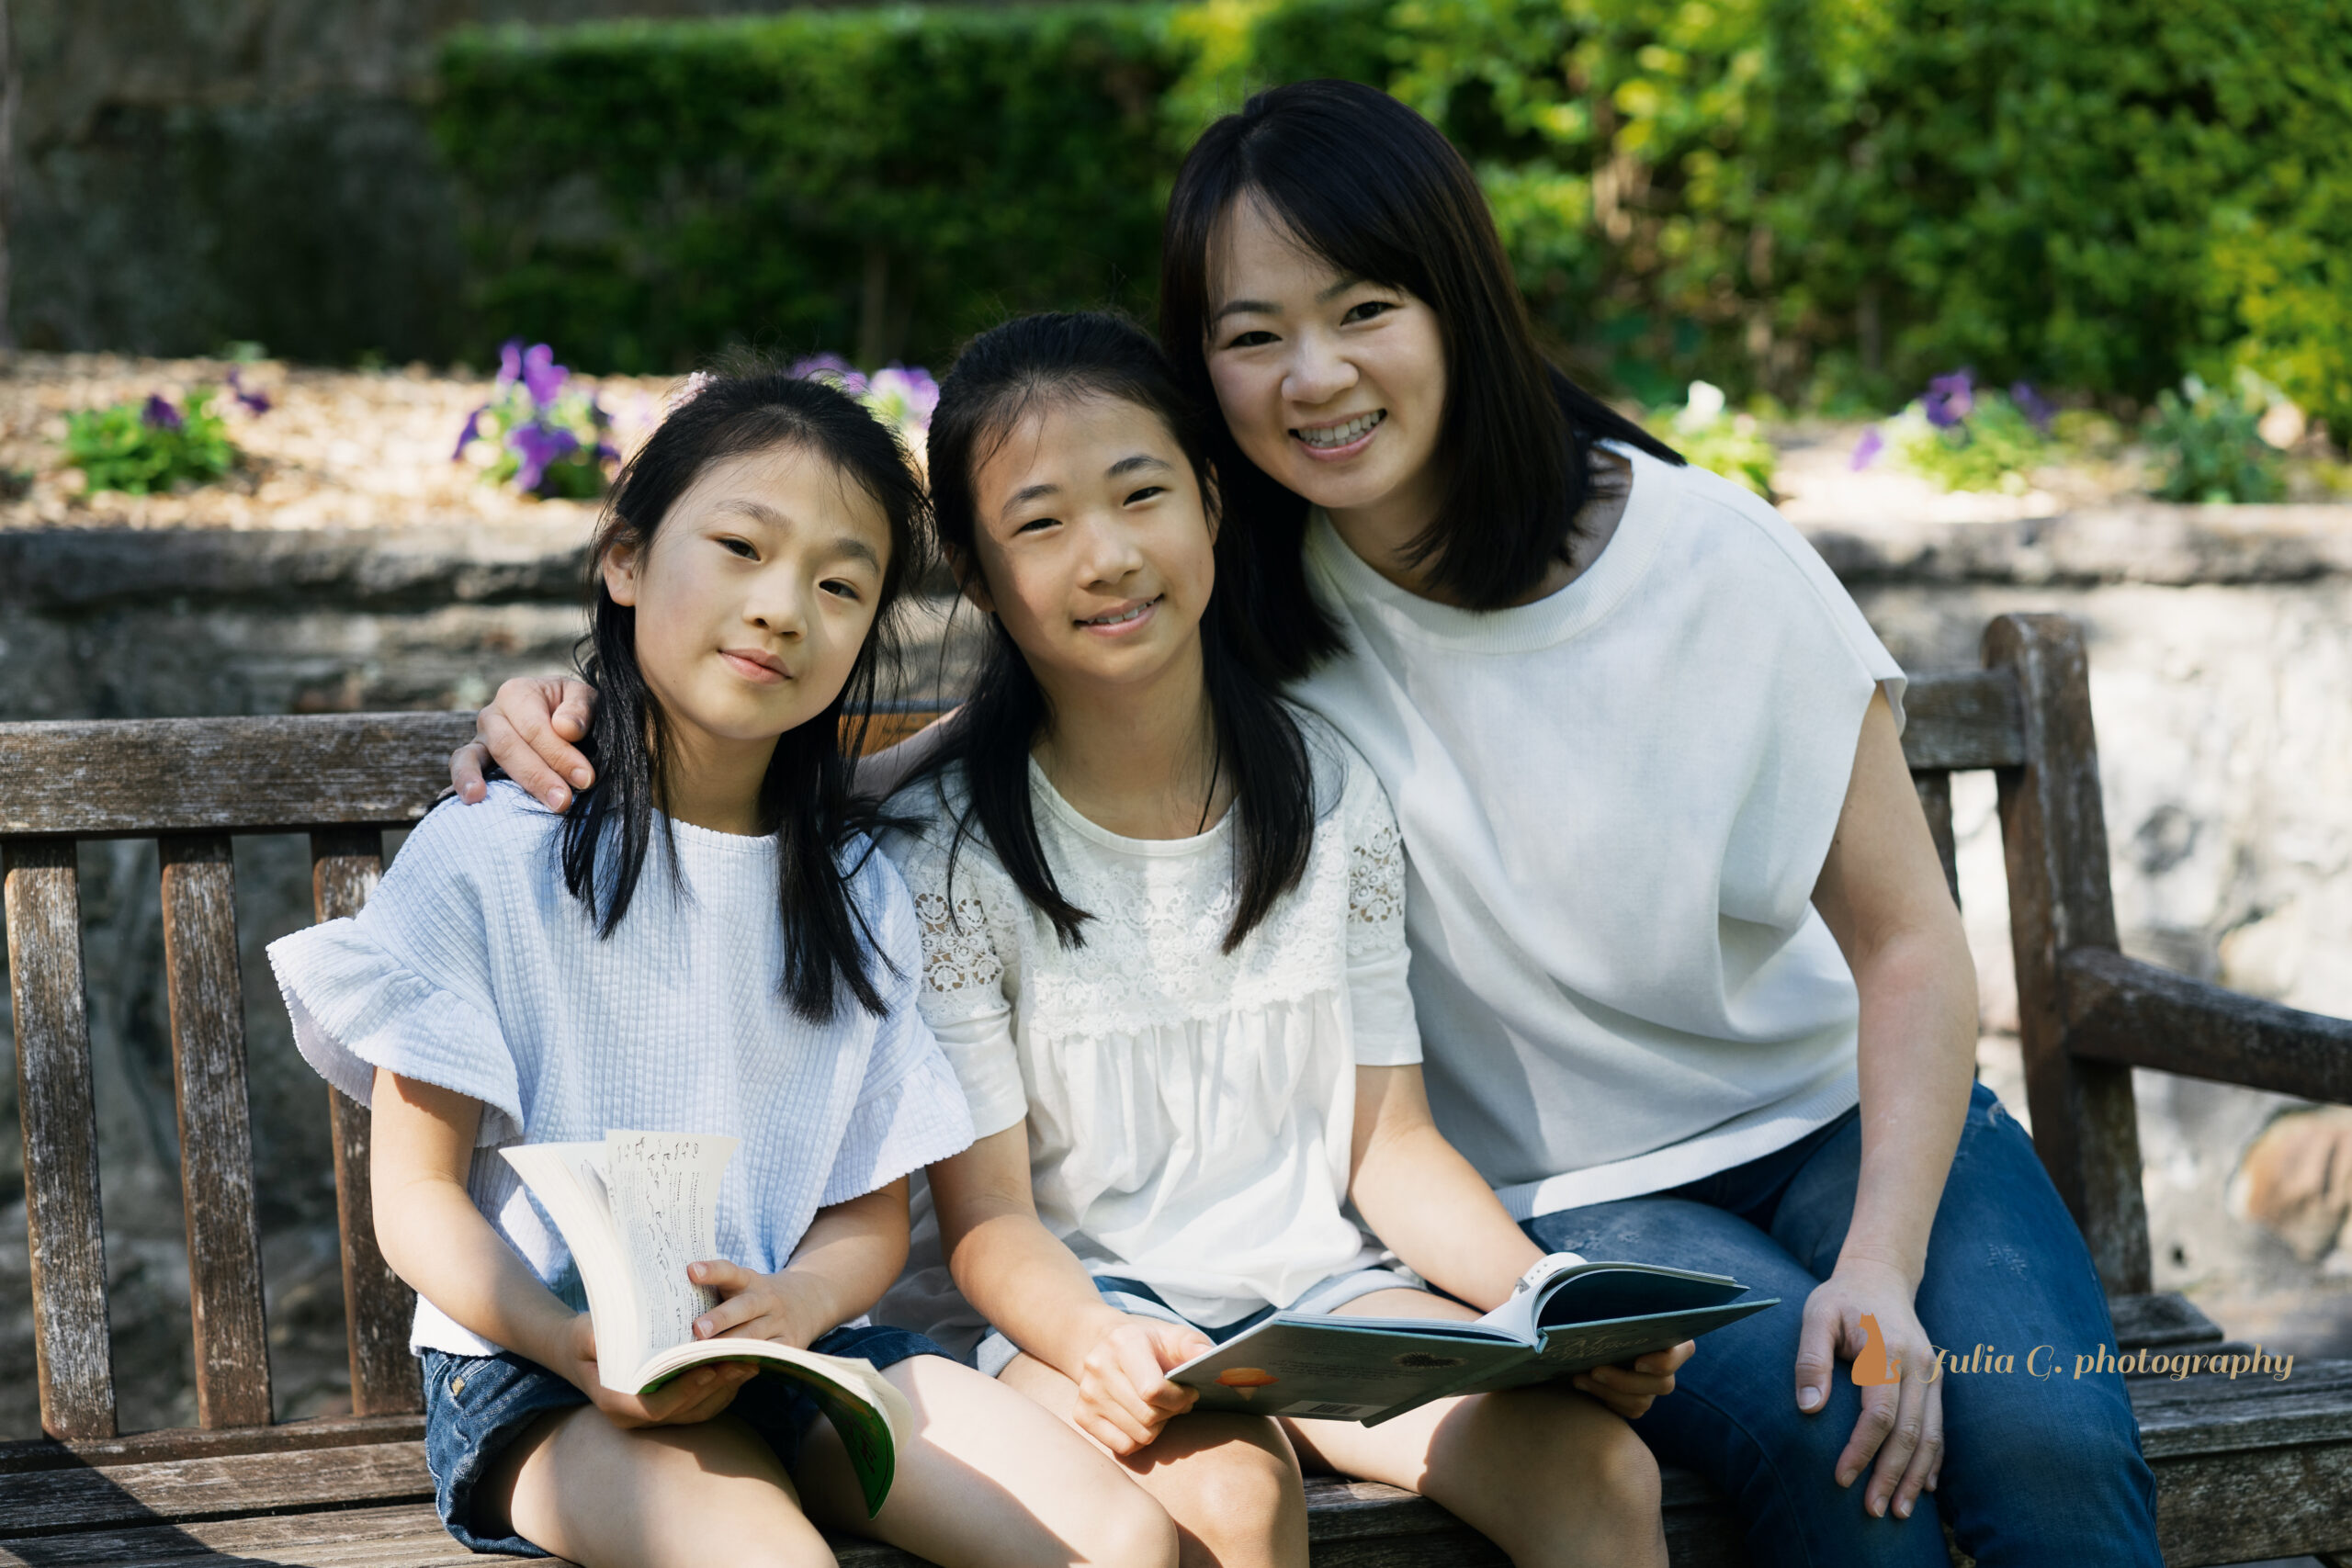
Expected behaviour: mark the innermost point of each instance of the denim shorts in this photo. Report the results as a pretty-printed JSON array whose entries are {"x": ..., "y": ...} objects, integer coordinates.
[
  {"x": 995, "y": 1352},
  {"x": 476, "y": 1405}
]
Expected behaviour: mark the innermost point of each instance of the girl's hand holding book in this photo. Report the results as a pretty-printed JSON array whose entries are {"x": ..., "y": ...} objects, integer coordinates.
[
  {"x": 1123, "y": 1394},
  {"x": 696, "y": 1396},
  {"x": 1628, "y": 1390},
  {"x": 756, "y": 1306}
]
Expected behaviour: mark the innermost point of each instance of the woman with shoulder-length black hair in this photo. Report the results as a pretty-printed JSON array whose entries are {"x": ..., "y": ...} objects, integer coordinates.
[{"x": 1693, "y": 989}]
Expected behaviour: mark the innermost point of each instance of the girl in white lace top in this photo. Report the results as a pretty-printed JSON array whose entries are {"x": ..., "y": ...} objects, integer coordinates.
[{"x": 1163, "y": 943}]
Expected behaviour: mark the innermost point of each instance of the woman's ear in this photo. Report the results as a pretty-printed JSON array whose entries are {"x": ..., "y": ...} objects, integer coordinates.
[
  {"x": 619, "y": 565},
  {"x": 969, "y": 580}
]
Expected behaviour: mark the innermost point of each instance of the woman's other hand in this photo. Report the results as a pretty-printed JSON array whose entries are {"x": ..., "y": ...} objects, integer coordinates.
[
  {"x": 696, "y": 1394},
  {"x": 1123, "y": 1394},
  {"x": 1628, "y": 1390},
  {"x": 528, "y": 729},
  {"x": 1903, "y": 1421}
]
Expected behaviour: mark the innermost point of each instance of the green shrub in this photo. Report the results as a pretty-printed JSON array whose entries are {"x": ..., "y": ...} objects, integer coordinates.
[
  {"x": 1823, "y": 199},
  {"x": 139, "y": 448},
  {"x": 2210, "y": 445},
  {"x": 883, "y": 182}
]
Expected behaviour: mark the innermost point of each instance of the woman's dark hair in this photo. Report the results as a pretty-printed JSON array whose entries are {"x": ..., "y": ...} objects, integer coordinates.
[
  {"x": 806, "y": 798},
  {"x": 1373, "y": 188},
  {"x": 1037, "y": 362}
]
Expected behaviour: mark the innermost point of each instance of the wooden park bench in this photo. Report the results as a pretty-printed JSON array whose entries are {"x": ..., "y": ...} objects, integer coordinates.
[{"x": 2248, "y": 1468}]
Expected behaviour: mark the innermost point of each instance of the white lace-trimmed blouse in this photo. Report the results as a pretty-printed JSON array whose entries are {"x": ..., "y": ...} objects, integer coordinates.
[{"x": 1189, "y": 1111}]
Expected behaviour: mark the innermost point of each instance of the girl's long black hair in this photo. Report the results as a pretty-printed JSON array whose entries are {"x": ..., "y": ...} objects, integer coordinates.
[
  {"x": 806, "y": 799},
  {"x": 1378, "y": 192},
  {"x": 1005, "y": 373}
]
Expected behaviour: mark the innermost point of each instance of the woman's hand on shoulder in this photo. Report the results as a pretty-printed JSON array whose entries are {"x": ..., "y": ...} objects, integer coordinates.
[
  {"x": 1123, "y": 1394},
  {"x": 528, "y": 729},
  {"x": 1630, "y": 1389},
  {"x": 694, "y": 1395}
]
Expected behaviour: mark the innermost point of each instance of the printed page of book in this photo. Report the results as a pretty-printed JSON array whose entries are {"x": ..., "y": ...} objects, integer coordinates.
[
  {"x": 663, "y": 1188},
  {"x": 567, "y": 1181}
]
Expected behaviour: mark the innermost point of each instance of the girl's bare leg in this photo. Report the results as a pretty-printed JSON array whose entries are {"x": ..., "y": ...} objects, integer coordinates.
[
  {"x": 1546, "y": 1473},
  {"x": 992, "y": 1481},
  {"x": 1230, "y": 1483},
  {"x": 713, "y": 1492}
]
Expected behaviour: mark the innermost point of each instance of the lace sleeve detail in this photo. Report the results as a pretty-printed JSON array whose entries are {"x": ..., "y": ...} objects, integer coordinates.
[
  {"x": 959, "y": 962},
  {"x": 1376, "y": 890}
]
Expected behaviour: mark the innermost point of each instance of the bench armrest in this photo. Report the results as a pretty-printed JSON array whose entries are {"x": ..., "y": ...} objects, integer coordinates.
[{"x": 2120, "y": 1010}]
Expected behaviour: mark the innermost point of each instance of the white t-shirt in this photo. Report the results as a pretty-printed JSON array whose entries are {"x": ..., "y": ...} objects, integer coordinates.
[
  {"x": 1189, "y": 1111},
  {"x": 472, "y": 968},
  {"x": 1615, "y": 802}
]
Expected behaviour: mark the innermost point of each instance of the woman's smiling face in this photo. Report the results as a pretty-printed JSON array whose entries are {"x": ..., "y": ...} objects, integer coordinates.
[
  {"x": 1335, "y": 385},
  {"x": 1093, "y": 542}
]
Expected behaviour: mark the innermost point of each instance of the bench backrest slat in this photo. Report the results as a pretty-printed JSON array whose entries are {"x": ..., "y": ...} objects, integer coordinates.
[
  {"x": 2053, "y": 832},
  {"x": 59, "y": 1116},
  {"x": 1963, "y": 719},
  {"x": 345, "y": 865},
  {"x": 141, "y": 777},
  {"x": 208, "y": 1013}
]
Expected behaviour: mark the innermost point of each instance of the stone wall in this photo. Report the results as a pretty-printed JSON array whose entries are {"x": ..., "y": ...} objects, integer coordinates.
[
  {"x": 2222, "y": 678},
  {"x": 194, "y": 172}
]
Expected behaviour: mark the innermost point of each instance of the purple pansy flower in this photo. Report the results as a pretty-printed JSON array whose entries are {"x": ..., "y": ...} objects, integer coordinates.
[
  {"x": 1867, "y": 449},
  {"x": 540, "y": 447},
  {"x": 255, "y": 401},
  {"x": 1950, "y": 398},
  {"x": 465, "y": 436},
  {"x": 510, "y": 362},
  {"x": 2032, "y": 404},
  {"x": 542, "y": 376},
  {"x": 160, "y": 414}
]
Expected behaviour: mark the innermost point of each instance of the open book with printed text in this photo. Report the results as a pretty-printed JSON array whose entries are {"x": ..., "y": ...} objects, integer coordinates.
[
  {"x": 636, "y": 1209},
  {"x": 1567, "y": 1316}
]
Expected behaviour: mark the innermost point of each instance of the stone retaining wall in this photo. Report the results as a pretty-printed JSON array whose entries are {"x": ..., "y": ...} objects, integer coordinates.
[{"x": 2222, "y": 672}]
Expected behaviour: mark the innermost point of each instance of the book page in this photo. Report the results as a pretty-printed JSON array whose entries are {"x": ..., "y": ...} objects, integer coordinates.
[{"x": 664, "y": 1188}]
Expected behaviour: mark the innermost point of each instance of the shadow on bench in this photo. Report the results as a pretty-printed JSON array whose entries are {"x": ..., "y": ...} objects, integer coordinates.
[{"x": 2247, "y": 1468}]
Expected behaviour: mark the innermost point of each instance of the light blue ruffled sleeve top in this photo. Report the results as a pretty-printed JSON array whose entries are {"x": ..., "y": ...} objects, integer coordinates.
[{"x": 474, "y": 968}]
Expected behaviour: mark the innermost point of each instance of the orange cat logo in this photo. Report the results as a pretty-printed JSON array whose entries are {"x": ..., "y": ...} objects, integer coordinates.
[{"x": 1874, "y": 1367}]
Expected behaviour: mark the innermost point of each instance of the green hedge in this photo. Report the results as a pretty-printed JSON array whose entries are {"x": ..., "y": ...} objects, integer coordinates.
[{"x": 1818, "y": 199}]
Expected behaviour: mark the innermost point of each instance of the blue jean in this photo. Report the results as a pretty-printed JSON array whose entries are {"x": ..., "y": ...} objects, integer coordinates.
[
  {"x": 2035, "y": 1470},
  {"x": 476, "y": 1405}
]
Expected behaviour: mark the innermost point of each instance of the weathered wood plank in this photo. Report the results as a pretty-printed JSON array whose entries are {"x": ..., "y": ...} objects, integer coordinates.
[
  {"x": 345, "y": 865},
  {"x": 134, "y": 778},
  {"x": 1963, "y": 718},
  {"x": 195, "y": 1442},
  {"x": 2054, "y": 831},
  {"x": 405, "y": 1534},
  {"x": 2120, "y": 1010},
  {"x": 224, "y": 775},
  {"x": 49, "y": 1502},
  {"x": 2263, "y": 1503},
  {"x": 207, "y": 1013},
  {"x": 2161, "y": 1321},
  {"x": 59, "y": 1117},
  {"x": 1935, "y": 802}
]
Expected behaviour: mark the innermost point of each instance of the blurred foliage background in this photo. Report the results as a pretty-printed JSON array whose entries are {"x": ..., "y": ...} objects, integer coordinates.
[{"x": 1822, "y": 200}]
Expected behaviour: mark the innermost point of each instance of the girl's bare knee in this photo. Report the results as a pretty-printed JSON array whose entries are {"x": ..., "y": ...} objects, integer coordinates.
[
  {"x": 1236, "y": 1496},
  {"x": 1129, "y": 1531}
]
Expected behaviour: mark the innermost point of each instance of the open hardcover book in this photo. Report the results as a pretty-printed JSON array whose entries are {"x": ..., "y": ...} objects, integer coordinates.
[
  {"x": 636, "y": 1209},
  {"x": 1567, "y": 1316}
]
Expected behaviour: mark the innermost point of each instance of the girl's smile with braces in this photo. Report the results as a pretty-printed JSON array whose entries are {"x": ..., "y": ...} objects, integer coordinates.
[{"x": 1346, "y": 431}]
